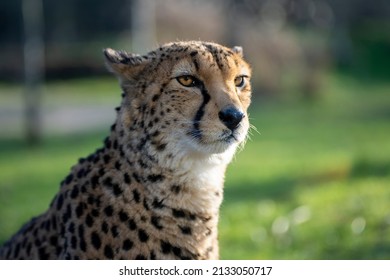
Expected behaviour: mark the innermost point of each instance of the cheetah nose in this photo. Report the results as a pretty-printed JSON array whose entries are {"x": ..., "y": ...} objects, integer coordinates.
[{"x": 231, "y": 117}]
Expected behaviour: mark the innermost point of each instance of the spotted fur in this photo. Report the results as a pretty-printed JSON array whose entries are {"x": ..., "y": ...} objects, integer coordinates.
[{"x": 154, "y": 189}]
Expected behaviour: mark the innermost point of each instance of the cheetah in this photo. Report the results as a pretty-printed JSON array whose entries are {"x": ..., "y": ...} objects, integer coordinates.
[{"x": 154, "y": 188}]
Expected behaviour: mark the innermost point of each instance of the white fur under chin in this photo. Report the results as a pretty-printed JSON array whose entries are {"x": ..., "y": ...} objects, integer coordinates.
[
  {"x": 207, "y": 168},
  {"x": 202, "y": 171}
]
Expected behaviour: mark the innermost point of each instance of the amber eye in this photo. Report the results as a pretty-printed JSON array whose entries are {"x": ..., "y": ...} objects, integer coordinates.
[
  {"x": 187, "y": 81},
  {"x": 239, "y": 81}
]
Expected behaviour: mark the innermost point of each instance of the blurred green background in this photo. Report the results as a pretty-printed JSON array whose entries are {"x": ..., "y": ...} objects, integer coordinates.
[{"x": 313, "y": 181}]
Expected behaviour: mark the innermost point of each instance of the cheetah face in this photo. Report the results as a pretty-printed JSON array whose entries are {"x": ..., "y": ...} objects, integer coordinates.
[{"x": 196, "y": 93}]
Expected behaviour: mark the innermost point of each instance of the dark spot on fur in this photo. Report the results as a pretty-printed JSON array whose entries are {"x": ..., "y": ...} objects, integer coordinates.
[
  {"x": 123, "y": 216},
  {"x": 106, "y": 159},
  {"x": 205, "y": 219},
  {"x": 48, "y": 225},
  {"x": 155, "y": 134},
  {"x": 54, "y": 222},
  {"x": 142, "y": 235},
  {"x": 176, "y": 189},
  {"x": 140, "y": 257},
  {"x": 136, "y": 177},
  {"x": 83, "y": 189},
  {"x": 114, "y": 231},
  {"x": 161, "y": 147},
  {"x": 178, "y": 213},
  {"x": 152, "y": 255},
  {"x": 156, "y": 178},
  {"x": 42, "y": 254},
  {"x": 75, "y": 192},
  {"x": 146, "y": 206},
  {"x": 157, "y": 204},
  {"x": 95, "y": 158},
  {"x": 126, "y": 178},
  {"x": 37, "y": 243},
  {"x": 107, "y": 181},
  {"x": 185, "y": 230},
  {"x": 89, "y": 220},
  {"x": 136, "y": 196},
  {"x": 132, "y": 225},
  {"x": 91, "y": 200},
  {"x": 115, "y": 144},
  {"x": 114, "y": 187},
  {"x": 17, "y": 249},
  {"x": 95, "y": 240},
  {"x": 117, "y": 190},
  {"x": 83, "y": 245},
  {"x": 71, "y": 228},
  {"x": 53, "y": 240},
  {"x": 69, "y": 179},
  {"x": 105, "y": 227},
  {"x": 107, "y": 143},
  {"x": 166, "y": 247},
  {"x": 60, "y": 201},
  {"x": 142, "y": 164},
  {"x": 67, "y": 215},
  {"x": 95, "y": 213},
  {"x": 28, "y": 249},
  {"x": 176, "y": 251},
  {"x": 108, "y": 252},
  {"x": 127, "y": 245},
  {"x": 73, "y": 242},
  {"x": 109, "y": 211},
  {"x": 156, "y": 222},
  {"x": 80, "y": 173}
]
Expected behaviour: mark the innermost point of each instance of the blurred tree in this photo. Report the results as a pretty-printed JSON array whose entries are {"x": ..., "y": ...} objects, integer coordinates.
[
  {"x": 33, "y": 66},
  {"x": 143, "y": 25}
]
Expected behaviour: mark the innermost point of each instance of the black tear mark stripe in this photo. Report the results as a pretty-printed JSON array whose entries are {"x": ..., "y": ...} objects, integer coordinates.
[{"x": 199, "y": 114}]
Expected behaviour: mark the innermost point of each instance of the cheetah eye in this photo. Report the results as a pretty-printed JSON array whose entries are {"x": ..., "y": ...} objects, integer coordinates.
[
  {"x": 239, "y": 81},
  {"x": 188, "y": 81}
]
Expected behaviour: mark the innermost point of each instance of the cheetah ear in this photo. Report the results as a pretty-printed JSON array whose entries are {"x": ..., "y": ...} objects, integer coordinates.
[
  {"x": 123, "y": 64},
  {"x": 238, "y": 50}
]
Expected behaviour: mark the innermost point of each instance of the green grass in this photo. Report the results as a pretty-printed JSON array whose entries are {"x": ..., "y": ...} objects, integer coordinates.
[{"x": 313, "y": 184}]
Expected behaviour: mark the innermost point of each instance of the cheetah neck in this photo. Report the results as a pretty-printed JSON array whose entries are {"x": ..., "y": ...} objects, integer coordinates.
[{"x": 189, "y": 180}]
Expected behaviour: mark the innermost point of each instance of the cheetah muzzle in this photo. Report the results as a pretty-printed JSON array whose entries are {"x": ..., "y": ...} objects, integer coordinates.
[{"x": 154, "y": 189}]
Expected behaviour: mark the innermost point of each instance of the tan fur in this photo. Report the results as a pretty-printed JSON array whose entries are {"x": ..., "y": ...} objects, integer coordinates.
[{"x": 154, "y": 190}]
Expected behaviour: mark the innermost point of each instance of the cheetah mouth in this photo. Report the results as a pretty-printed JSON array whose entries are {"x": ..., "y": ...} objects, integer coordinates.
[
  {"x": 228, "y": 137},
  {"x": 211, "y": 143}
]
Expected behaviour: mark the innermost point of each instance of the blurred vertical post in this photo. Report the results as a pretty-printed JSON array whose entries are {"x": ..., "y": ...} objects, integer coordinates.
[
  {"x": 33, "y": 67},
  {"x": 143, "y": 25},
  {"x": 231, "y": 8}
]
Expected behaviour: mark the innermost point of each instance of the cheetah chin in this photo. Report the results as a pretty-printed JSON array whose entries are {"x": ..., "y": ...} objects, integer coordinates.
[{"x": 154, "y": 188}]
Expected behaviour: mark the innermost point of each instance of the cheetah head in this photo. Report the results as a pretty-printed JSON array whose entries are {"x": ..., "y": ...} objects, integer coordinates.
[{"x": 192, "y": 96}]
